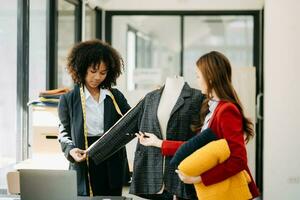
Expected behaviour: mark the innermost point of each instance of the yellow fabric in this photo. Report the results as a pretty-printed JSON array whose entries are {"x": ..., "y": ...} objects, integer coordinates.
[
  {"x": 43, "y": 99},
  {"x": 207, "y": 157}
]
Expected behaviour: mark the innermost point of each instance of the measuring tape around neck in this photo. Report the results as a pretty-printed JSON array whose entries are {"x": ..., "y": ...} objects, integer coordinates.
[{"x": 83, "y": 105}]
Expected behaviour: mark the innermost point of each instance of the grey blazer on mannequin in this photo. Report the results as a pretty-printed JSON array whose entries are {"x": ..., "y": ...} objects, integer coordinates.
[{"x": 148, "y": 174}]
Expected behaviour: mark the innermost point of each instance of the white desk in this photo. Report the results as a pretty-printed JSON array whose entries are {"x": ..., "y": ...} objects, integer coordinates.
[{"x": 44, "y": 161}]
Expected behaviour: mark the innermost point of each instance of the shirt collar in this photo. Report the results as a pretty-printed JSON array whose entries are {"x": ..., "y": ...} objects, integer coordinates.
[
  {"x": 212, "y": 104},
  {"x": 103, "y": 94},
  {"x": 87, "y": 93}
]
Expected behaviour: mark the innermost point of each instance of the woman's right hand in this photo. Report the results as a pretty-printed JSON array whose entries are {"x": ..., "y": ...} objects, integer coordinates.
[
  {"x": 149, "y": 139},
  {"x": 78, "y": 155}
]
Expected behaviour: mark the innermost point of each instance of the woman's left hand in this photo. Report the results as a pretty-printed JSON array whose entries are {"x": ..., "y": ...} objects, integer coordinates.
[
  {"x": 188, "y": 179},
  {"x": 149, "y": 139}
]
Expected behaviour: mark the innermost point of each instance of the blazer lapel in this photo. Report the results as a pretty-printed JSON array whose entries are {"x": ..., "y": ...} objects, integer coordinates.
[
  {"x": 185, "y": 92},
  {"x": 107, "y": 113},
  {"x": 155, "y": 102},
  {"x": 78, "y": 117}
]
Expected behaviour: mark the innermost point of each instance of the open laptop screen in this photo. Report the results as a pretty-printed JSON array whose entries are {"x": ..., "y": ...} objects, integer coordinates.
[{"x": 48, "y": 184}]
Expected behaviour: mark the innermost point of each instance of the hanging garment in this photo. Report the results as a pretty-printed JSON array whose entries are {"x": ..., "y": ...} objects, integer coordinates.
[{"x": 148, "y": 174}]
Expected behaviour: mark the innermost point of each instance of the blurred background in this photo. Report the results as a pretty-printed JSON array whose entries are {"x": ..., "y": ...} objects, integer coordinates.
[{"x": 157, "y": 39}]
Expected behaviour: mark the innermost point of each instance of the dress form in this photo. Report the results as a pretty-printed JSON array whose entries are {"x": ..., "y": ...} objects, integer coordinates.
[
  {"x": 168, "y": 99},
  {"x": 170, "y": 94}
]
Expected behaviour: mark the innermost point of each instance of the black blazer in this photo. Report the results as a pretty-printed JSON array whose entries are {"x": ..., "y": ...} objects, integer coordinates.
[
  {"x": 193, "y": 144},
  {"x": 71, "y": 135}
]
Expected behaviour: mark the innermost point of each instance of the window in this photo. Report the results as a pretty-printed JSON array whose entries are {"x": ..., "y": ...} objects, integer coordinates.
[
  {"x": 66, "y": 39},
  {"x": 152, "y": 53},
  {"x": 131, "y": 58},
  {"x": 90, "y": 23},
  {"x": 37, "y": 48},
  {"x": 139, "y": 59},
  {"x": 8, "y": 81},
  {"x": 143, "y": 50},
  {"x": 231, "y": 35}
]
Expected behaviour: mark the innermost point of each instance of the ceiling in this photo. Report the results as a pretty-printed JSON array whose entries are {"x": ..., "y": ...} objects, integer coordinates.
[{"x": 178, "y": 4}]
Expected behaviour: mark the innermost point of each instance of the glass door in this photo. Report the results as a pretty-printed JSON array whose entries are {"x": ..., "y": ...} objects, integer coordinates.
[
  {"x": 157, "y": 44},
  {"x": 232, "y": 36},
  {"x": 150, "y": 46}
]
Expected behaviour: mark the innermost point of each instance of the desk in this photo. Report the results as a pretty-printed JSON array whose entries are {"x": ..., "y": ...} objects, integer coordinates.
[
  {"x": 104, "y": 198},
  {"x": 16, "y": 197},
  {"x": 44, "y": 161}
]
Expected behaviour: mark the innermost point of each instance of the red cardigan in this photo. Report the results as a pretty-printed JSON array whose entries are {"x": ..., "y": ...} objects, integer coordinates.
[
  {"x": 169, "y": 147},
  {"x": 227, "y": 123}
]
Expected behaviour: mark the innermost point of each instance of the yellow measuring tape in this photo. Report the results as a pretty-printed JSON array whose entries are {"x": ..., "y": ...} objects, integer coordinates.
[
  {"x": 83, "y": 105},
  {"x": 115, "y": 103}
]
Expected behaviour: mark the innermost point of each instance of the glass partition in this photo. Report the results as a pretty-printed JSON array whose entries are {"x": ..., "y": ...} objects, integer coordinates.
[
  {"x": 8, "y": 81},
  {"x": 90, "y": 23},
  {"x": 151, "y": 49},
  {"x": 37, "y": 48},
  {"x": 231, "y": 35},
  {"x": 66, "y": 39}
]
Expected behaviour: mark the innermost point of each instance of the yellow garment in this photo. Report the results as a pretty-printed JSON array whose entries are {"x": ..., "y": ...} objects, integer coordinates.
[
  {"x": 49, "y": 100},
  {"x": 207, "y": 157}
]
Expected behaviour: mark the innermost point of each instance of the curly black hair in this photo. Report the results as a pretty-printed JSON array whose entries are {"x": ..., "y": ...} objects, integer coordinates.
[{"x": 90, "y": 54}]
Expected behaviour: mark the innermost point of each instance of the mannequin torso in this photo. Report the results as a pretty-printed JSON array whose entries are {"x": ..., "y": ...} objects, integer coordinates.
[{"x": 168, "y": 100}]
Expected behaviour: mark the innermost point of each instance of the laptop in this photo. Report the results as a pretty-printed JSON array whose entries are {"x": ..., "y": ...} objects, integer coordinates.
[{"x": 48, "y": 184}]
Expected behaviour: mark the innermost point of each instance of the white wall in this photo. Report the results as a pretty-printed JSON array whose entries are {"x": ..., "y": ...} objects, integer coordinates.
[
  {"x": 244, "y": 82},
  {"x": 281, "y": 100}
]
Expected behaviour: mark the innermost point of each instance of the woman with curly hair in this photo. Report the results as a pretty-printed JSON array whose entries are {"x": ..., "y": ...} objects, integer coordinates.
[{"x": 89, "y": 110}]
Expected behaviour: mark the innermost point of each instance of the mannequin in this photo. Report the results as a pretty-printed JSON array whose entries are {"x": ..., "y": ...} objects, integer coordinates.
[
  {"x": 168, "y": 100},
  {"x": 165, "y": 115}
]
